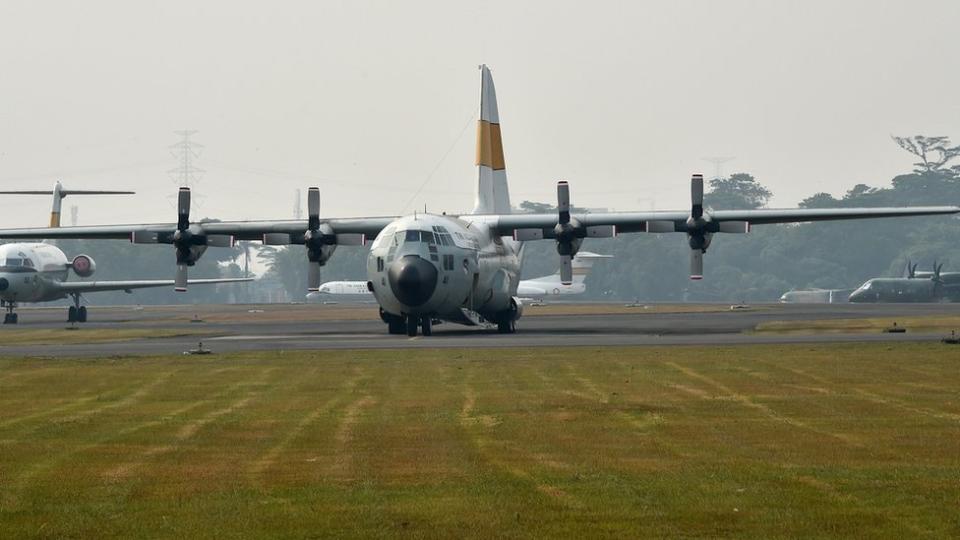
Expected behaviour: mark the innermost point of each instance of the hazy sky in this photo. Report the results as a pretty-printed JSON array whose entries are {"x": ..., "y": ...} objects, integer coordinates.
[{"x": 372, "y": 100}]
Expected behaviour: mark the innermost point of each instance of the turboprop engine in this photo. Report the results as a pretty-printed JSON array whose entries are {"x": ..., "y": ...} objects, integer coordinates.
[{"x": 83, "y": 265}]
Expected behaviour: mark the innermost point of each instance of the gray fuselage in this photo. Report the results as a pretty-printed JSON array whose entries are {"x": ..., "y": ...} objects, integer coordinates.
[{"x": 444, "y": 267}]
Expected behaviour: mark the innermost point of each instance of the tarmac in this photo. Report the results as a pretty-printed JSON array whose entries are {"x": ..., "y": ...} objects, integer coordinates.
[{"x": 230, "y": 328}]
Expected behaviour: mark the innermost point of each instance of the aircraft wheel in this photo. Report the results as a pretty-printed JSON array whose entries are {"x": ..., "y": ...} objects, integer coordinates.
[
  {"x": 72, "y": 314},
  {"x": 9, "y": 318},
  {"x": 82, "y": 314},
  {"x": 14, "y": 318},
  {"x": 426, "y": 325},
  {"x": 396, "y": 326},
  {"x": 412, "y": 323},
  {"x": 507, "y": 326}
]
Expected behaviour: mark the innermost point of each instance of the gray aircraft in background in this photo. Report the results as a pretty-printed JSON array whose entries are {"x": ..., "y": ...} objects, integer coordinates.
[{"x": 913, "y": 287}]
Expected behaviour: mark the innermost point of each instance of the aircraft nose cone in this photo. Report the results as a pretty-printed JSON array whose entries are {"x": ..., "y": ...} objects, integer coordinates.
[
  {"x": 4, "y": 284},
  {"x": 412, "y": 280}
]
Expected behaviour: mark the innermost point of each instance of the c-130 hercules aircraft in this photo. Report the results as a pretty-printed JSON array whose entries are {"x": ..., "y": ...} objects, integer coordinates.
[{"x": 464, "y": 269}]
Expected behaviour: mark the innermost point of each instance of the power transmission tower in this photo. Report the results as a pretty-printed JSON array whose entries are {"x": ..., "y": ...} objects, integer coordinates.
[
  {"x": 186, "y": 174},
  {"x": 74, "y": 210},
  {"x": 718, "y": 165},
  {"x": 297, "y": 210}
]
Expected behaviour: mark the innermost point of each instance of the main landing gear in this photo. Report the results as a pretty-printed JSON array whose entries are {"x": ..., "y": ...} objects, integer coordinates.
[
  {"x": 10, "y": 317},
  {"x": 77, "y": 313}
]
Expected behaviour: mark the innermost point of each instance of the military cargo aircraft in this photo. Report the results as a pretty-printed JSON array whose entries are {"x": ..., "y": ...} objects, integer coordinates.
[
  {"x": 915, "y": 287},
  {"x": 459, "y": 268}
]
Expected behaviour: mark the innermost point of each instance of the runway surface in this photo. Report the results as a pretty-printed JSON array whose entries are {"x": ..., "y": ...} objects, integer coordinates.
[{"x": 279, "y": 326}]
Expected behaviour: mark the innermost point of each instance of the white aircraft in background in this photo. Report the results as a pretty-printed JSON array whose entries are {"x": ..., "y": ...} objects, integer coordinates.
[
  {"x": 528, "y": 288},
  {"x": 458, "y": 268},
  {"x": 553, "y": 285},
  {"x": 38, "y": 272}
]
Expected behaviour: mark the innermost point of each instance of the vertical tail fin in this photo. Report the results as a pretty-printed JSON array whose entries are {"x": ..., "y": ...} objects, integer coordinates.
[{"x": 493, "y": 196}]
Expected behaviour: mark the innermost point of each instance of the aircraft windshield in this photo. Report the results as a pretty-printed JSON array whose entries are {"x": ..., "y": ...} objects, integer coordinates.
[
  {"x": 17, "y": 264},
  {"x": 419, "y": 236}
]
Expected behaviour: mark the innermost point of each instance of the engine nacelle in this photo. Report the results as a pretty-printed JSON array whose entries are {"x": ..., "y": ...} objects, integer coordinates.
[
  {"x": 83, "y": 265},
  {"x": 516, "y": 307}
]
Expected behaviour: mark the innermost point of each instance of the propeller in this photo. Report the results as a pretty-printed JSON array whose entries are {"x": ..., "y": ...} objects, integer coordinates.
[
  {"x": 910, "y": 271},
  {"x": 319, "y": 239},
  {"x": 699, "y": 227},
  {"x": 569, "y": 233},
  {"x": 697, "y": 234},
  {"x": 189, "y": 240}
]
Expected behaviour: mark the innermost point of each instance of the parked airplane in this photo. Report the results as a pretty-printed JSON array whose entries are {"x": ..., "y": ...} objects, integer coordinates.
[
  {"x": 916, "y": 287},
  {"x": 528, "y": 288},
  {"x": 816, "y": 296},
  {"x": 37, "y": 272},
  {"x": 465, "y": 268},
  {"x": 553, "y": 285}
]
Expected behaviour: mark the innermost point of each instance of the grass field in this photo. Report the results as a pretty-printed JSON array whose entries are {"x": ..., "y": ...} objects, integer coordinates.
[{"x": 752, "y": 441}]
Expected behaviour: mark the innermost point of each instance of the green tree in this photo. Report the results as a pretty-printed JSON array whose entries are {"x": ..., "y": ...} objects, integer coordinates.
[{"x": 739, "y": 191}]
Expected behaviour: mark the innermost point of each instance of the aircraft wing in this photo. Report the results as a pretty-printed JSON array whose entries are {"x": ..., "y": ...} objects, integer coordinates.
[
  {"x": 599, "y": 224},
  {"x": 163, "y": 232},
  {"x": 92, "y": 286}
]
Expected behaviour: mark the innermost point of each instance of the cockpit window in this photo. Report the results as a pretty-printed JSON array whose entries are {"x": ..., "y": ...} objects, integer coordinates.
[
  {"x": 417, "y": 236},
  {"x": 15, "y": 264},
  {"x": 867, "y": 286}
]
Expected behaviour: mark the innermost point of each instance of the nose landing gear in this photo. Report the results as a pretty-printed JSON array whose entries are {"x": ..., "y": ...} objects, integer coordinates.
[{"x": 10, "y": 317}]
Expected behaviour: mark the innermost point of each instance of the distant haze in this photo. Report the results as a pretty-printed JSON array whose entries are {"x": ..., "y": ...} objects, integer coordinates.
[{"x": 370, "y": 99}]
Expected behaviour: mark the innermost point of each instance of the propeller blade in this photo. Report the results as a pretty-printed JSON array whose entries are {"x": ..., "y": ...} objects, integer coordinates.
[
  {"x": 313, "y": 277},
  {"x": 696, "y": 264},
  {"x": 313, "y": 208},
  {"x": 180, "y": 284},
  {"x": 183, "y": 209},
  {"x": 566, "y": 269},
  {"x": 696, "y": 196},
  {"x": 563, "y": 201}
]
